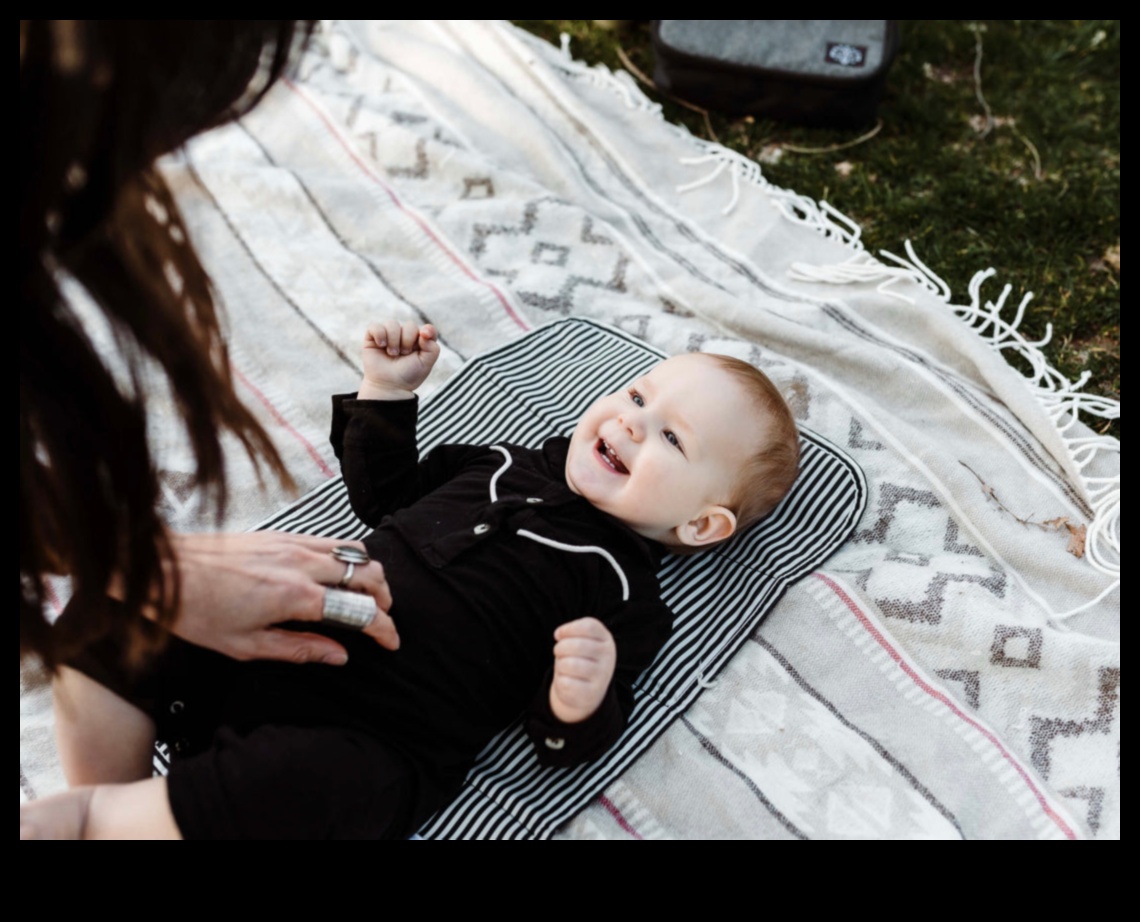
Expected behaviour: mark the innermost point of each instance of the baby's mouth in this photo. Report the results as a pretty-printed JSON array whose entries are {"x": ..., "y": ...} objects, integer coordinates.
[{"x": 610, "y": 457}]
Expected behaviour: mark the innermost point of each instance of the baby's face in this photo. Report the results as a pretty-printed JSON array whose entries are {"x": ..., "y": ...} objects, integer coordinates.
[{"x": 663, "y": 449}]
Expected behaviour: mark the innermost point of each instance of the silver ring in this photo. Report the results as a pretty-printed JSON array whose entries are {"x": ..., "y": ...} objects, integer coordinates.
[
  {"x": 350, "y": 556},
  {"x": 352, "y": 610},
  {"x": 349, "y": 569},
  {"x": 346, "y": 553}
]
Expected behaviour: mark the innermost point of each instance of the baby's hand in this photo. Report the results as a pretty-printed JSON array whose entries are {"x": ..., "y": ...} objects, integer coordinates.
[
  {"x": 584, "y": 660},
  {"x": 397, "y": 358}
]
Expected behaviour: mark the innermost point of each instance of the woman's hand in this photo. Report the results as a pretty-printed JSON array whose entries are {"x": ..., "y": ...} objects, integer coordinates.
[
  {"x": 237, "y": 587},
  {"x": 397, "y": 358}
]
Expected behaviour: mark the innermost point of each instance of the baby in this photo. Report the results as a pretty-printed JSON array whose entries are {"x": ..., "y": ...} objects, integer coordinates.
[{"x": 489, "y": 552}]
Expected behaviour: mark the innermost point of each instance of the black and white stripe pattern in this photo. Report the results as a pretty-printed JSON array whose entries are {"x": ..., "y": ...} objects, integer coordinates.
[{"x": 536, "y": 387}]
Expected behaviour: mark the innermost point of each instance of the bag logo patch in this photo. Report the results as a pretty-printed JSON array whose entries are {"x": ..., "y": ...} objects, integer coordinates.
[{"x": 846, "y": 55}]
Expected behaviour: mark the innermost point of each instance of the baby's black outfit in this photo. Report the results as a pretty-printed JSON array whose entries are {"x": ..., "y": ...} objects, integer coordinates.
[{"x": 486, "y": 551}]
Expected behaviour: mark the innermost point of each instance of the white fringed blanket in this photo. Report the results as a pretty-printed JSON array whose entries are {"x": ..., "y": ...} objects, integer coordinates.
[{"x": 949, "y": 672}]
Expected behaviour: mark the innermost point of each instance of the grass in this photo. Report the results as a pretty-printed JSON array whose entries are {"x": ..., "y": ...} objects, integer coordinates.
[{"x": 1037, "y": 196}]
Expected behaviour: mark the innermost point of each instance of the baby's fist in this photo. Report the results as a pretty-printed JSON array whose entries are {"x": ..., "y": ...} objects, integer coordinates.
[
  {"x": 584, "y": 659},
  {"x": 397, "y": 357}
]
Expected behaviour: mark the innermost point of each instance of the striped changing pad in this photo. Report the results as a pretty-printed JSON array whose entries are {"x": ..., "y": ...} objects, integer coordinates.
[{"x": 538, "y": 386}]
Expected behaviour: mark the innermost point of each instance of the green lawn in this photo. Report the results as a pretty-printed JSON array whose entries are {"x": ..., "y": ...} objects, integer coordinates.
[{"x": 1037, "y": 196}]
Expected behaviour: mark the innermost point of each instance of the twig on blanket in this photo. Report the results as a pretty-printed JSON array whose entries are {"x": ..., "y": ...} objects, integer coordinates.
[
  {"x": 1077, "y": 532},
  {"x": 628, "y": 64}
]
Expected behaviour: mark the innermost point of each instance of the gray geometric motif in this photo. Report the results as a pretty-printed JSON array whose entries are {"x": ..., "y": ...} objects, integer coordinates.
[
  {"x": 420, "y": 170},
  {"x": 509, "y": 274},
  {"x": 1095, "y": 798},
  {"x": 1003, "y": 634},
  {"x": 588, "y": 235},
  {"x": 370, "y": 137},
  {"x": 929, "y": 609},
  {"x": 860, "y": 577},
  {"x": 1043, "y": 730},
  {"x": 950, "y": 541},
  {"x": 473, "y": 183},
  {"x": 354, "y": 111},
  {"x": 482, "y": 231},
  {"x": 637, "y": 324},
  {"x": 563, "y": 301},
  {"x": 408, "y": 118},
  {"x": 671, "y": 308},
  {"x": 971, "y": 683},
  {"x": 890, "y": 497},
  {"x": 549, "y": 254},
  {"x": 178, "y": 489},
  {"x": 913, "y": 558},
  {"x": 855, "y": 437}
]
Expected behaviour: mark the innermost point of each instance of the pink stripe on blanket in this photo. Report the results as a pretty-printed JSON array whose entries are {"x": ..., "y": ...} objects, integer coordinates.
[
  {"x": 368, "y": 171},
  {"x": 284, "y": 423},
  {"x": 949, "y": 702},
  {"x": 613, "y": 811}
]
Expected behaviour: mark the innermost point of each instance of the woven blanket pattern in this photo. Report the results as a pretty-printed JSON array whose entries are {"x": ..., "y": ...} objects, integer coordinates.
[{"x": 949, "y": 672}]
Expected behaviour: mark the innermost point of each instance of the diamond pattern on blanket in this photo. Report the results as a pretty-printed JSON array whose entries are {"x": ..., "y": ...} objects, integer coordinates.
[{"x": 1017, "y": 647}]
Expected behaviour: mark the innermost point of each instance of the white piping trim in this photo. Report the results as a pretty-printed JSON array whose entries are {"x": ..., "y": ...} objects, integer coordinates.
[
  {"x": 499, "y": 473},
  {"x": 583, "y": 549}
]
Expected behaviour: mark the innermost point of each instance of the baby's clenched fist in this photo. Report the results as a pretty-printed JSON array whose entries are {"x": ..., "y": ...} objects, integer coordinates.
[
  {"x": 584, "y": 659},
  {"x": 397, "y": 357}
]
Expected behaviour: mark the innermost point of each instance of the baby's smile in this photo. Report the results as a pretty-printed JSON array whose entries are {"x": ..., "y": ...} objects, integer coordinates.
[{"x": 610, "y": 457}]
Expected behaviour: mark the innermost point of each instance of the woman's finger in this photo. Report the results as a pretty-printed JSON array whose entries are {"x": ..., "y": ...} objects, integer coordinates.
[{"x": 370, "y": 579}]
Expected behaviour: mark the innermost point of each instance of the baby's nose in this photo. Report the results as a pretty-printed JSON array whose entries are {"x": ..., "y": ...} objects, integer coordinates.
[{"x": 632, "y": 425}]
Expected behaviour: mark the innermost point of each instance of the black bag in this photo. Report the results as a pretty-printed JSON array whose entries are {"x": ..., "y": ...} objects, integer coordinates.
[{"x": 812, "y": 71}]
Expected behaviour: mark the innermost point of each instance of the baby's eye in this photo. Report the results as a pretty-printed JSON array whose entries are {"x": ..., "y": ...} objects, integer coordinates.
[
  {"x": 637, "y": 398},
  {"x": 671, "y": 438}
]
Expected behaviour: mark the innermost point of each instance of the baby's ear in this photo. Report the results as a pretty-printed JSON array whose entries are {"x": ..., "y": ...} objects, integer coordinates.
[{"x": 714, "y": 524}]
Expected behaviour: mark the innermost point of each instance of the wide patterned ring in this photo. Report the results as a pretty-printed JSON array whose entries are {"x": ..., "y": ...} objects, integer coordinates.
[{"x": 352, "y": 610}]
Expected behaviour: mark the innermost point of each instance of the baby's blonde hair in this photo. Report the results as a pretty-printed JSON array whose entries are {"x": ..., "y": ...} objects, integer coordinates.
[{"x": 770, "y": 471}]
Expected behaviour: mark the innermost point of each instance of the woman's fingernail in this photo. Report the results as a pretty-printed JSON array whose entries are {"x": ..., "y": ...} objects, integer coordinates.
[{"x": 335, "y": 659}]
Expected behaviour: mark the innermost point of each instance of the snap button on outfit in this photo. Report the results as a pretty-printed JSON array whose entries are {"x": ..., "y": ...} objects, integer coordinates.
[
  {"x": 482, "y": 528},
  {"x": 534, "y": 499},
  {"x": 176, "y": 707},
  {"x": 555, "y": 742}
]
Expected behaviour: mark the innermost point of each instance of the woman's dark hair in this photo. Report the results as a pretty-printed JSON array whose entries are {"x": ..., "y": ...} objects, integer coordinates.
[{"x": 100, "y": 101}]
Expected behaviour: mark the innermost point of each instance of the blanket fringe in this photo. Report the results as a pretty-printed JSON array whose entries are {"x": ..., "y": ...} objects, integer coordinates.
[{"x": 1061, "y": 398}]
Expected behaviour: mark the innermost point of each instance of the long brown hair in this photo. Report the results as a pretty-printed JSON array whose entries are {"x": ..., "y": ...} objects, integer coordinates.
[{"x": 99, "y": 102}]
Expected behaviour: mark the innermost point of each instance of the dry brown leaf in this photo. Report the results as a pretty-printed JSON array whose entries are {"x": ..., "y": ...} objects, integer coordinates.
[
  {"x": 1112, "y": 257},
  {"x": 1076, "y": 540},
  {"x": 1057, "y": 523},
  {"x": 844, "y": 168}
]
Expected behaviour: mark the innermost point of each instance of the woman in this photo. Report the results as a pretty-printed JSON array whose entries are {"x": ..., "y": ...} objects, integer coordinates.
[{"x": 99, "y": 102}]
